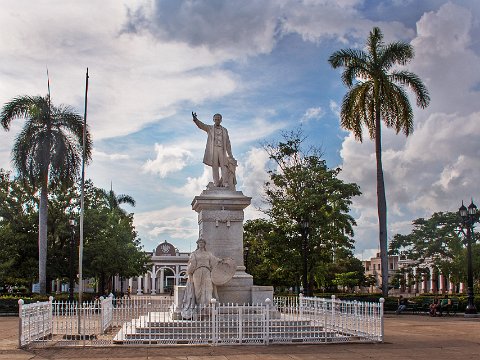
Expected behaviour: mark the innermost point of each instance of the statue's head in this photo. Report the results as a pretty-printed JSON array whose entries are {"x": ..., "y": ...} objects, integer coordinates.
[
  {"x": 201, "y": 243},
  {"x": 217, "y": 119}
]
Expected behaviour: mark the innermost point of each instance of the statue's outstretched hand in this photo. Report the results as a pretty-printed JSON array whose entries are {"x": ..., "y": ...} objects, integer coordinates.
[{"x": 194, "y": 115}]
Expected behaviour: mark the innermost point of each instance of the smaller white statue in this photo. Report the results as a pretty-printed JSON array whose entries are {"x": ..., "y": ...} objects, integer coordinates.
[{"x": 201, "y": 288}]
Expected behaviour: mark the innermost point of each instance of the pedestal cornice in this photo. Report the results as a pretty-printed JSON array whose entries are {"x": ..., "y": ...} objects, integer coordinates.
[{"x": 220, "y": 199}]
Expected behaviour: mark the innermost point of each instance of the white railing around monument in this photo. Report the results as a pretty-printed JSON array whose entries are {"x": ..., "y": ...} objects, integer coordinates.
[
  {"x": 35, "y": 322},
  {"x": 152, "y": 320}
]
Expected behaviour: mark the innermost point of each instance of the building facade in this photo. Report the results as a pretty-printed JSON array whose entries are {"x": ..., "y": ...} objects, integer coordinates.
[
  {"x": 169, "y": 267},
  {"x": 409, "y": 277}
]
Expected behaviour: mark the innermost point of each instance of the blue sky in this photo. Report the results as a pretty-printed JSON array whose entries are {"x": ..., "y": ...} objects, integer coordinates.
[{"x": 263, "y": 66}]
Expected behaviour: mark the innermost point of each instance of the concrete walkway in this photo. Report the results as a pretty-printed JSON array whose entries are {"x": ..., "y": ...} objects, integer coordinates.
[{"x": 406, "y": 337}]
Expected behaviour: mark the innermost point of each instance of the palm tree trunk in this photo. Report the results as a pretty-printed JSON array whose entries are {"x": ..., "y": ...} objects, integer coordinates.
[
  {"x": 42, "y": 238},
  {"x": 381, "y": 205}
]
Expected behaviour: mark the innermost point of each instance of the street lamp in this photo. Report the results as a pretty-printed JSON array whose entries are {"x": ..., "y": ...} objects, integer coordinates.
[
  {"x": 72, "y": 224},
  {"x": 247, "y": 249},
  {"x": 469, "y": 217},
  {"x": 305, "y": 232}
]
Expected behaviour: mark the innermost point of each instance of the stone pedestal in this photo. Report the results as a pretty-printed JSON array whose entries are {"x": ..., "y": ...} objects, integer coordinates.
[{"x": 220, "y": 220}]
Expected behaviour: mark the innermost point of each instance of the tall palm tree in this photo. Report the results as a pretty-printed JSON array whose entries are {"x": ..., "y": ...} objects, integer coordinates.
[
  {"x": 47, "y": 151},
  {"x": 376, "y": 94}
]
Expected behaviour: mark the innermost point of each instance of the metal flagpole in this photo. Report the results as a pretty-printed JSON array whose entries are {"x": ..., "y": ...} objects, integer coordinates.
[{"x": 82, "y": 203}]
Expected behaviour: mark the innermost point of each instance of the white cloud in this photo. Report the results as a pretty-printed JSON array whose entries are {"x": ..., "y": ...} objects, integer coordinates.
[
  {"x": 169, "y": 159},
  {"x": 100, "y": 155},
  {"x": 228, "y": 28},
  {"x": 317, "y": 20},
  {"x": 315, "y": 113},
  {"x": 175, "y": 224},
  {"x": 334, "y": 108},
  {"x": 195, "y": 186},
  {"x": 134, "y": 80},
  {"x": 252, "y": 174}
]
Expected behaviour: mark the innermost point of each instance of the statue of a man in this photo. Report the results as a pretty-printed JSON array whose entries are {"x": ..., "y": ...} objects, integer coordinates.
[{"x": 218, "y": 152}]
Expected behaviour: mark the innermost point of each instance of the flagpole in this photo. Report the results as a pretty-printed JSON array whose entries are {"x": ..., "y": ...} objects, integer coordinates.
[{"x": 82, "y": 201}]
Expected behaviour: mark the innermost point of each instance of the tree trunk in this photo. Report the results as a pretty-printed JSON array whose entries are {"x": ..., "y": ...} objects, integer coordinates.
[
  {"x": 102, "y": 284},
  {"x": 381, "y": 205},
  {"x": 42, "y": 238}
]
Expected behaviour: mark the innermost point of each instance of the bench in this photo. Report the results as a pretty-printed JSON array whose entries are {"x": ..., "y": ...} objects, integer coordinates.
[
  {"x": 449, "y": 309},
  {"x": 426, "y": 306}
]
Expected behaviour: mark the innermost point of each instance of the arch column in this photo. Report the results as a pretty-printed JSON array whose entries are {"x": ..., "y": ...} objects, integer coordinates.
[
  {"x": 415, "y": 278},
  {"x": 145, "y": 283},
  {"x": 154, "y": 279},
  {"x": 177, "y": 275},
  {"x": 451, "y": 286},
  {"x": 162, "y": 279},
  {"x": 441, "y": 280},
  {"x": 462, "y": 287},
  {"x": 432, "y": 279},
  {"x": 139, "y": 285}
]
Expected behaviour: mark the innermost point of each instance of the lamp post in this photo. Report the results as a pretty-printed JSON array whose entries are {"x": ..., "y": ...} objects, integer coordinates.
[
  {"x": 304, "y": 224},
  {"x": 71, "y": 288},
  {"x": 247, "y": 249},
  {"x": 469, "y": 217}
]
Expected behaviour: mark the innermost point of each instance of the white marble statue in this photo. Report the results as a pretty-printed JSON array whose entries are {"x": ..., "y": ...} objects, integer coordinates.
[
  {"x": 218, "y": 152},
  {"x": 200, "y": 288}
]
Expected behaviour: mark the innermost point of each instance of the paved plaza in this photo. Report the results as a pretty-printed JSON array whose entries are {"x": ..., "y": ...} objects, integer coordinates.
[{"x": 406, "y": 337}]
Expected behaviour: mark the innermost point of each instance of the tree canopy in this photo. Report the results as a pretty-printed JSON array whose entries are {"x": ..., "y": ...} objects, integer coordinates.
[
  {"x": 111, "y": 244},
  {"x": 303, "y": 194},
  {"x": 437, "y": 241}
]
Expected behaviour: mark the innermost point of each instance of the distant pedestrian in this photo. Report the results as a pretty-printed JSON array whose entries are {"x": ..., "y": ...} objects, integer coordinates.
[{"x": 401, "y": 305}]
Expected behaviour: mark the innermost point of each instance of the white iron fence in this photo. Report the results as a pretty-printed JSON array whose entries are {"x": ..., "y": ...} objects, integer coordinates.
[{"x": 154, "y": 320}]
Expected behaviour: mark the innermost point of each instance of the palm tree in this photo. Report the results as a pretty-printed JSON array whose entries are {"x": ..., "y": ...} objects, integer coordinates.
[
  {"x": 46, "y": 152},
  {"x": 113, "y": 201},
  {"x": 376, "y": 94}
]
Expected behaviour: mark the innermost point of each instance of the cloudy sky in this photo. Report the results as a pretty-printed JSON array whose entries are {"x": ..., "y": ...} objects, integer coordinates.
[{"x": 263, "y": 65}]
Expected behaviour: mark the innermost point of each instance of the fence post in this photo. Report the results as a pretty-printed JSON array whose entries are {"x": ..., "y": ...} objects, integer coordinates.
[
  {"x": 20, "y": 322},
  {"x": 300, "y": 300},
  {"x": 333, "y": 325},
  {"x": 266, "y": 331},
  {"x": 149, "y": 323},
  {"x": 214, "y": 321},
  {"x": 50, "y": 320},
  {"x": 382, "y": 301}
]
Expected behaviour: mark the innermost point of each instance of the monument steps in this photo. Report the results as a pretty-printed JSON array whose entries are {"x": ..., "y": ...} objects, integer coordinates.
[{"x": 142, "y": 330}]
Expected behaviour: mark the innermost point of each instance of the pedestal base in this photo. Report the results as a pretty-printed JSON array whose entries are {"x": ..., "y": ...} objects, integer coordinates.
[{"x": 238, "y": 291}]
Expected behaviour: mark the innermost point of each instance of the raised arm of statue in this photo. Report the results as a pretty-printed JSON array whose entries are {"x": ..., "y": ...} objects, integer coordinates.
[{"x": 200, "y": 124}]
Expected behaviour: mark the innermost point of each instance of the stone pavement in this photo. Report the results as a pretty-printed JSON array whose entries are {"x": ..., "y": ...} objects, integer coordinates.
[{"x": 406, "y": 337}]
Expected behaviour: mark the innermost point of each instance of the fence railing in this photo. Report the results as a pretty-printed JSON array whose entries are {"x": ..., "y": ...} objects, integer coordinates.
[
  {"x": 35, "y": 322},
  {"x": 153, "y": 320}
]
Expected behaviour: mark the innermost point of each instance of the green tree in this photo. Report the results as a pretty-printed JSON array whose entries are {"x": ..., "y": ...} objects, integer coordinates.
[
  {"x": 18, "y": 232},
  {"x": 267, "y": 255},
  {"x": 347, "y": 280},
  {"x": 46, "y": 152},
  {"x": 436, "y": 240},
  {"x": 111, "y": 243},
  {"x": 303, "y": 191},
  {"x": 376, "y": 94},
  {"x": 113, "y": 201}
]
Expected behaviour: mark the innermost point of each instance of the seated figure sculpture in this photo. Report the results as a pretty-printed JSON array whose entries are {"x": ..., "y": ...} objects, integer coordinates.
[{"x": 200, "y": 288}]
